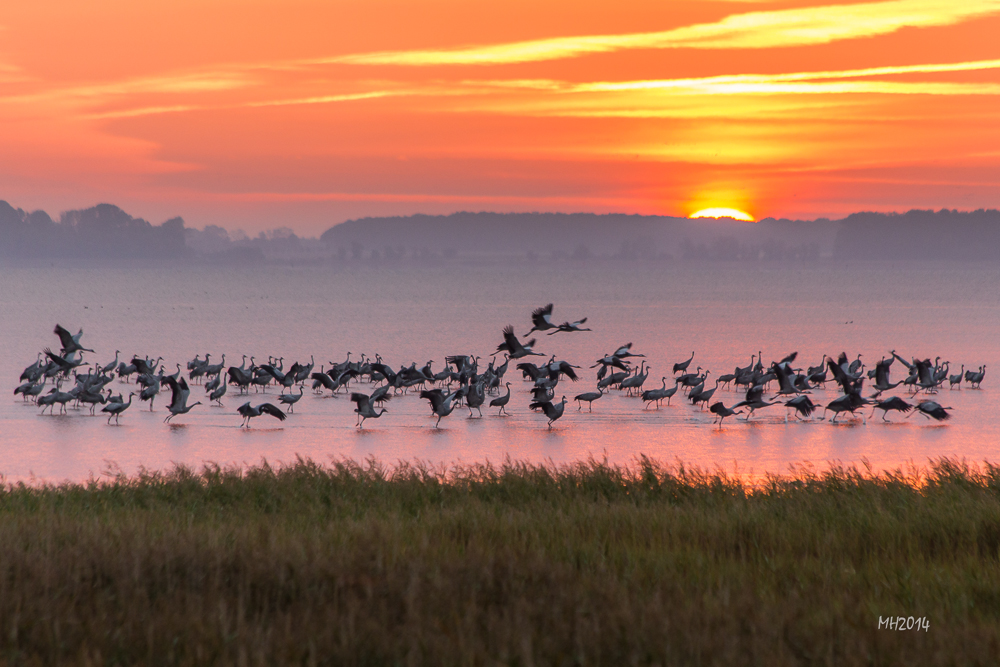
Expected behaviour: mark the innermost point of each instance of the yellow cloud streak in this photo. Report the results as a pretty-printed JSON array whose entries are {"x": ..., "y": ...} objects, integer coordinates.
[
  {"x": 752, "y": 30},
  {"x": 144, "y": 111},
  {"x": 838, "y": 87},
  {"x": 751, "y": 79},
  {"x": 773, "y": 95},
  {"x": 186, "y": 83},
  {"x": 406, "y": 197},
  {"x": 592, "y": 99},
  {"x": 624, "y": 98},
  {"x": 322, "y": 99},
  {"x": 327, "y": 99}
]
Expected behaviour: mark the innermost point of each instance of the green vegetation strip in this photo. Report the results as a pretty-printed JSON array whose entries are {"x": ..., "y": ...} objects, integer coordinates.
[{"x": 509, "y": 564}]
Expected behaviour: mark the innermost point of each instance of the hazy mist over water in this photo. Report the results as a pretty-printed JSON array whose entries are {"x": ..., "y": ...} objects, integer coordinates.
[{"x": 418, "y": 312}]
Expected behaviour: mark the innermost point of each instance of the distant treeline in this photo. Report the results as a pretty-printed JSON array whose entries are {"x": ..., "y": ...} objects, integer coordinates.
[
  {"x": 920, "y": 235},
  {"x": 577, "y": 236},
  {"x": 101, "y": 231},
  {"x": 916, "y": 235},
  {"x": 106, "y": 231}
]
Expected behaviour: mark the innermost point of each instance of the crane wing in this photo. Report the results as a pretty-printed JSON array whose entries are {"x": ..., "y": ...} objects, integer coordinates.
[
  {"x": 62, "y": 363},
  {"x": 511, "y": 343},
  {"x": 839, "y": 375},
  {"x": 924, "y": 371},
  {"x": 896, "y": 403},
  {"x": 274, "y": 411},
  {"x": 901, "y": 360},
  {"x": 435, "y": 396},
  {"x": 142, "y": 366},
  {"x": 460, "y": 361},
  {"x": 882, "y": 373},
  {"x": 529, "y": 369},
  {"x": 802, "y": 404},
  {"x": 784, "y": 380},
  {"x": 567, "y": 370},
  {"x": 177, "y": 395},
  {"x": 323, "y": 379},
  {"x": 65, "y": 337},
  {"x": 380, "y": 395},
  {"x": 540, "y": 317},
  {"x": 387, "y": 372},
  {"x": 272, "y": 371}
]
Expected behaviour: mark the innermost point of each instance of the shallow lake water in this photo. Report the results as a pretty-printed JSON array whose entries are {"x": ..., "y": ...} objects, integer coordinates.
[{"x": 415, "y": 313}]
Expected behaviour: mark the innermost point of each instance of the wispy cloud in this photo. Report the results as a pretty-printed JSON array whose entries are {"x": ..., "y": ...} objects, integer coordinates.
[
  {"x": 327, "y": 99},
  {"x": 844, "y": 87},
  {"x": 180, "y": 108},
  {"x": 416, "y": 198},
  {"x": 753, "y": 79},
  {"x": 575, "y": 97},
  {"x": 97, "y": 93},
  {"x": 199, "y": 82},
  {"x": 521, "y": 84},
  {"x": 781, "y": 95},
  {"x": 643, "y": 98},
  {"x": 752, "y": 30},
  {"x": 143, "y": 111},
  {"x": 11, "y": 73}
]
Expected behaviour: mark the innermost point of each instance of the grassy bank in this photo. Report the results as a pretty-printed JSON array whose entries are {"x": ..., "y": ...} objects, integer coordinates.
[{"x": 513, "y": 564}]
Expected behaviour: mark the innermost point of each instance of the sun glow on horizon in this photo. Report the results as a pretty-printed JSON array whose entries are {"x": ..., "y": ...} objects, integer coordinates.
[{"x": 723, "y": 213}]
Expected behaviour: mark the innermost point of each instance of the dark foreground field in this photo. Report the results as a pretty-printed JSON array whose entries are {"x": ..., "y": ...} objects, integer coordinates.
[{"x": 513, "y": 564}]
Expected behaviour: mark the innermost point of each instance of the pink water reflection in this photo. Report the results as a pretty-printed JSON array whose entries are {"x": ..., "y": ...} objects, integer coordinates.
[{"x": 724, "y": 313}]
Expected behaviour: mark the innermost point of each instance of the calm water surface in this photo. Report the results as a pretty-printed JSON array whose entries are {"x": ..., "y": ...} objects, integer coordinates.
[{"x": 417, "y": 313}]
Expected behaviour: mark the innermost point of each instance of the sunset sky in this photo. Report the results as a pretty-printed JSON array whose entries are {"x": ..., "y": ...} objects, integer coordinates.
[{"x": 264, "y": 114}]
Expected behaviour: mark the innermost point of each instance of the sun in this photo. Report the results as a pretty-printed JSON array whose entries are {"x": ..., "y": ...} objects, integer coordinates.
[{"x": 723, "y": 213}]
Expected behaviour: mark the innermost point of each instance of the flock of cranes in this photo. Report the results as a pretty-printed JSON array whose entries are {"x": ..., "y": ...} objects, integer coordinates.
[{"x": 463, "y": 383}]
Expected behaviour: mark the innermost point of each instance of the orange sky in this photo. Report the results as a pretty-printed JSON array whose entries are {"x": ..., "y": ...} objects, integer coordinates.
[{"x": 267, "y": 114}]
